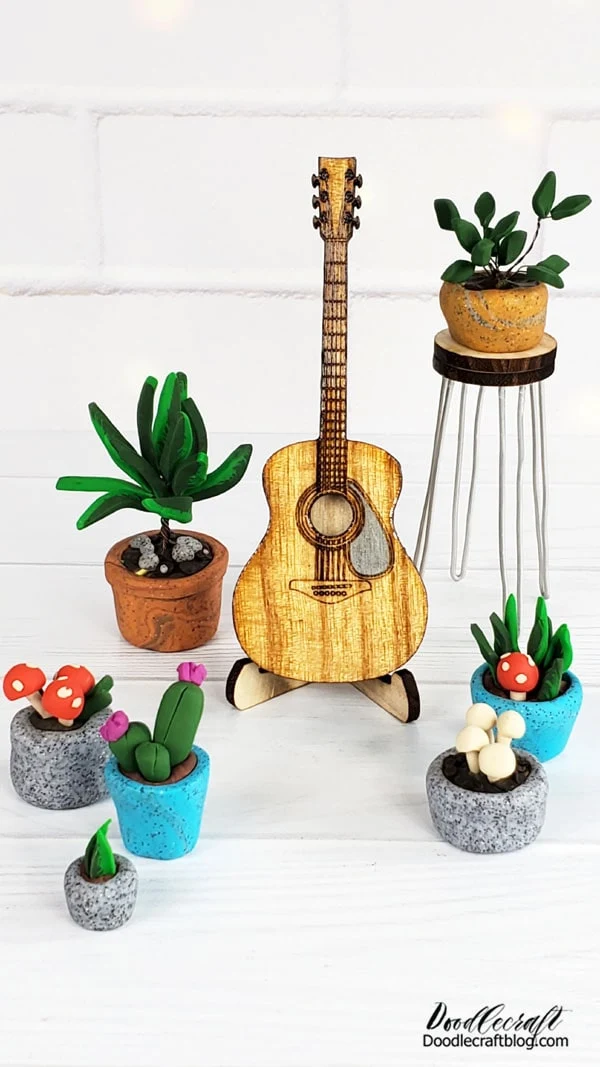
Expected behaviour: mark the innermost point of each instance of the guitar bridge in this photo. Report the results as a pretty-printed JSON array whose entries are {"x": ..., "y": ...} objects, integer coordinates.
[{"x": 329, "y": 592}]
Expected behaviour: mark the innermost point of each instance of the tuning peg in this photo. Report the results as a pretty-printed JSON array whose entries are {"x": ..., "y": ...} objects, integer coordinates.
[
  {"x": 315, "y": 202},
  {"x": 316, "y": 222},
  {"x": 356, "y": 222},
  {"x": 358, "y": 181},
  {"x": 357, "y": 202},
  {"x": 314, "y": 181}
]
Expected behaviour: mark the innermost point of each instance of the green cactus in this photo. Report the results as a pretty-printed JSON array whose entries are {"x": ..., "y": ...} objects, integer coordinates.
[
  {"x": 125, "y": 748},
  {"x": 153, "y": 761},
  {"x": 178, "y": 718}
]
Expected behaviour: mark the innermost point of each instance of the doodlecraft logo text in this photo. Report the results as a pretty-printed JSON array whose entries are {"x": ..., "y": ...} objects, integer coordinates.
[{"x": 495, "y": 1027}]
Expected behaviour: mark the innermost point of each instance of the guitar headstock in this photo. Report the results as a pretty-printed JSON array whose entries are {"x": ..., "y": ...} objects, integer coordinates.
[{"x": 337, "y": 182}]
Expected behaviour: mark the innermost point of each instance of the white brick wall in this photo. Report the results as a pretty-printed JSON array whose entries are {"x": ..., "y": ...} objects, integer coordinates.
[{"x": 155, "y": 158}]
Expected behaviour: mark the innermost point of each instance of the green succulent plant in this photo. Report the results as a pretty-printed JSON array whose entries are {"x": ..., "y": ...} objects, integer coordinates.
[
  {"x": 99, "y": 860},
  {"x": 496, "y": 249},
  {"x": 169, "y": 472},
  {"x": 551, "y": 652}
]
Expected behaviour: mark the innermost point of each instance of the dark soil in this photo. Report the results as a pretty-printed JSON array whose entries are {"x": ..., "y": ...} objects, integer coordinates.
[
  {"x": 131, "y": 560},
  {"x": 481, "y": 281},
  {"x": 492, "y": 687},
  {"x": 97, "y": 881},
  {"x": 52, "y": 725},
  {"x": 179, "y": 771},
  {"x": 456, "y": 769}
]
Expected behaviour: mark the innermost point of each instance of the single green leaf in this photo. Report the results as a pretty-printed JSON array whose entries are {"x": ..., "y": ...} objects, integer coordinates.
[
  {"x": 99, "y": 860},
  {"x": 178, "y": 508},
  {"x": 555, "y": 263},
  {"x": 468, "y": 234},
  {"x": 183, "y": 474},
  {"x": 482, "y": 252},
  {"x": 460, "y": 271},
  {"x": 510, "y": 247},
  {"x": 88, "y": 484},
  {"x": 485, "y": 648},
  {"x": 107, "y": 505},
  {"x": 543, "y": 274},
  {"x": 571, "y": 205},
  {"x": 543, "y": 198},
  {"x": 502, "y": 638},
  {"x": 537, "y": 646},
  {"x": 560, "y": 648},
  {"x": 505, "y": 226},
  {"x": 511, "y": 621},
  {"x": 145, "y": 419},
  {"x": 176, "y": 408},
  {"x": 549, "y": 687},
  {"x": 230, "y": 472},
  {"x": 122, "y": 452},
  {"x": 485, "y": 206},
  {"x": 161, "y": 422},
  {"x": 198, "y": 427},
  {"x": 446, "y": 211},
  {"x": 98, "y": 698},
  {"x": 177, "y": 445},
  {"x": 196, "y": 483}
]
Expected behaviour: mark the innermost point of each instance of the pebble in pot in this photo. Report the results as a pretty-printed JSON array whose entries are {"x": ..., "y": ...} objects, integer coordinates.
[
  {"x": 57, "y": 756},
  {"x": 484, "y": 796},
  {"x": 158, "y": 781},
  {"x": 101, "y": 887}
]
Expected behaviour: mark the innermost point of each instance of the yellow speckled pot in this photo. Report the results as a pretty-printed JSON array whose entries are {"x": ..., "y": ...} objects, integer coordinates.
[{"x": 495, "y": 320}]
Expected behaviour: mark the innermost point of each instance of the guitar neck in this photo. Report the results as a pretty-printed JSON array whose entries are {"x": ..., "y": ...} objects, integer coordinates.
[{"x": 332, "y": 445}]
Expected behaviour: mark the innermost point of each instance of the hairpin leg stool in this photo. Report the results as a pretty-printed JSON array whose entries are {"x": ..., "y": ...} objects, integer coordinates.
[{"x": 500, "y": 371}]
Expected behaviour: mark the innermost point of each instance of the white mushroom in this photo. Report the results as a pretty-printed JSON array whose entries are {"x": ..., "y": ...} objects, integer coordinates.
[
  {"x": 470, "y": 741},
  {"x": 510, "y": 726},
  {"x": 484, "y": 716},
  {"x": 497, "y": 762}
]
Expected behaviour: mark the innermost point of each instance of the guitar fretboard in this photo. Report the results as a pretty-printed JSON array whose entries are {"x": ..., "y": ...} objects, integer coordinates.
[{"x": 332, "y": 445}]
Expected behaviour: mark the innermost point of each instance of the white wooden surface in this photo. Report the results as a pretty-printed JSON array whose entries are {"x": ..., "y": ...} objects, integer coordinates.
[{"x": 320, "y": 918}]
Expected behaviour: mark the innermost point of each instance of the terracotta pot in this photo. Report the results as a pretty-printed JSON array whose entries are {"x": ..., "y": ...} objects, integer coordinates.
[
  {"x": 495, "y": 320},
  {"x": 167, "y": 614}
]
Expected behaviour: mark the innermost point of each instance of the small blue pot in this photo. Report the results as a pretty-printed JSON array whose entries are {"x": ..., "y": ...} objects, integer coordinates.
[
  {"x": 549, "y": 722},
  {"x": 161, "y": 822}
]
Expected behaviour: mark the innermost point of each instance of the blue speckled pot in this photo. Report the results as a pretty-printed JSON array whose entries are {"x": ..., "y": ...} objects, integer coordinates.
[
  {"x": 161, "y": 822},
  {"x": 549, "y": 722}
]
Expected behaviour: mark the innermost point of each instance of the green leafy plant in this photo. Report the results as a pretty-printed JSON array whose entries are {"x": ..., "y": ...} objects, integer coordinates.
[
  {"x": 551, "y": 652},
  {"x": 169, "y": 472},
  {"x": 155, "y": 755},
  {"x": 99, "y": 860},
  {"x": 497, "y": 250}
]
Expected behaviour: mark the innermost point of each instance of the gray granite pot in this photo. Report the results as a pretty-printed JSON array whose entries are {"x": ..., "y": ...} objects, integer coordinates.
[
  {"x": 101, "y": 905},
  {"x": 58, "y": 770},
  {"x": 487, "y": 822}
]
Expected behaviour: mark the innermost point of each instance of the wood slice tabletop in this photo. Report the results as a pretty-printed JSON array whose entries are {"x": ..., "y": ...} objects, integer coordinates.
[{"x": 462, "y": 364}]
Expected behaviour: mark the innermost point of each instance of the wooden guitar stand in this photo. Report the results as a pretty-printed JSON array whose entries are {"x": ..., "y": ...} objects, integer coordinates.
[{"x": 249, "y": 685}]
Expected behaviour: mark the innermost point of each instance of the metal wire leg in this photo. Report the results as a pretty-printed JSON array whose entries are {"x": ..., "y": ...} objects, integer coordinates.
[
  {"x": 422, "y": 544},
  {"x": 540, "y": 472},
  {"x": 519, "y": 494},
  {"x": 458, "y": 572},
  {"x": 501, "y": 472}
]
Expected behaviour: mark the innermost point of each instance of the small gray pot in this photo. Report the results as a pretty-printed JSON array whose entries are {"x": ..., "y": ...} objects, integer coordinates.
[
  {"x": 101, "y": 905},
  {"x": 58, "y": 770},
  {"x": 487, "y": 822}
]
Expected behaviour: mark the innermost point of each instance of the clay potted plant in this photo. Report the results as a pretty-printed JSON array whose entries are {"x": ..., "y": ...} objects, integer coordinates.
[
  {"x": 538, "y": 683},
  {"x": 158, "y": 780},
  {"x": 101, "y": 887},
  {"x": 57, "y": 756},
  {"x": 493, "y": 301},
  {"x": 484, "y": 796},
  {"x": 166, "y": 584}
]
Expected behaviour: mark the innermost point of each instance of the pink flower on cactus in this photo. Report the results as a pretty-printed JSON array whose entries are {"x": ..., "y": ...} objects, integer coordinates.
[
  {"x": 115, "y": 726},
  {"x": 192, "y": 672}
]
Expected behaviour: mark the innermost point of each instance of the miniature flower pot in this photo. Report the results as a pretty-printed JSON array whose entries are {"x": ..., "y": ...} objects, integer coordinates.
[
  {"x": 549, "y": 722},
  {"x": 105, "y": 904},
  {"x": 495, "y": 320},
  {"x": 58, "y": 769},
  {"x": 487, "y": 822},
  {"x": 167, "y": 614},
  {"x": 162, "y": 821}
]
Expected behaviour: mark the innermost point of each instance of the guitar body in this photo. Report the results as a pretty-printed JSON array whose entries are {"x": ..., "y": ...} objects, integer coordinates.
[{"x": 330, "y": 605}]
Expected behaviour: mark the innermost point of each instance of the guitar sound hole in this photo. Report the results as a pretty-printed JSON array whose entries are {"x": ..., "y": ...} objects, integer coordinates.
[{"x": 331, "y": 514}]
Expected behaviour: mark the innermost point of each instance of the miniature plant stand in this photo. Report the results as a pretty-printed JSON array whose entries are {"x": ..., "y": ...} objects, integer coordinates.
[{"x": 525, "y": 371}]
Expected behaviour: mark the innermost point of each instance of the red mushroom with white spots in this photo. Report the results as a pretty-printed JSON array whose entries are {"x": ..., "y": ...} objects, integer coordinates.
[
  {"x": 25, "y": 682},
  {"x": 74, "y": 672},
  {"x": 63, "y": 700},
  {"x": 518, "y": 673}
]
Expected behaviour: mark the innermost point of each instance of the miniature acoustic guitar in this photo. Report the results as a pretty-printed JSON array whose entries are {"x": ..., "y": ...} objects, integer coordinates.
[{"x": 330, "y": 594}]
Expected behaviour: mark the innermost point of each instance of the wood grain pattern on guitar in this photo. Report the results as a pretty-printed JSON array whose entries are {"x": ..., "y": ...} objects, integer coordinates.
[{"x": 330, "y": 594}]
